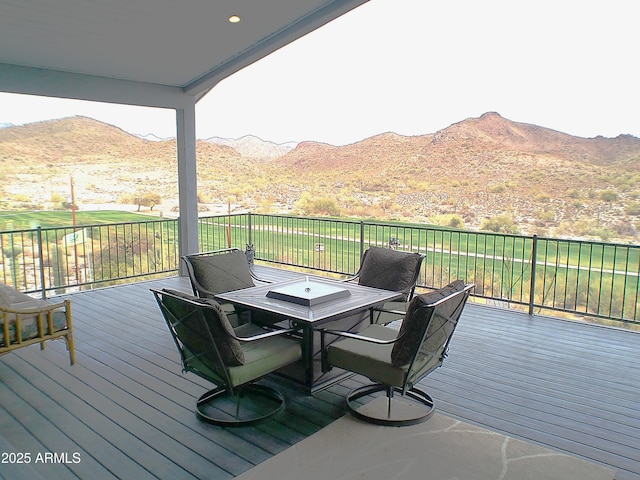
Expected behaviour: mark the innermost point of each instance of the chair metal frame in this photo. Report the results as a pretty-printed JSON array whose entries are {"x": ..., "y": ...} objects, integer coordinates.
[
  {"x": 220, "y": 376},
  {"x": 413, "y": 374}
]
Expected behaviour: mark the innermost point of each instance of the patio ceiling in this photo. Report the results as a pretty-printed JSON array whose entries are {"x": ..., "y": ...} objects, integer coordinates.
[
  {"x": 153, "y": 53},
  {"x": 164, "y": 45}
]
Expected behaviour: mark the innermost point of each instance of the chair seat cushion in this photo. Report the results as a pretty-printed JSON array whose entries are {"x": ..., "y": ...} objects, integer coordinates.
[
  {"x": 263, "y": 356},
  {"x": 29, "y": 325},
  {"x": 368, "y": 359},
  {"x": 416, "y": 323}
]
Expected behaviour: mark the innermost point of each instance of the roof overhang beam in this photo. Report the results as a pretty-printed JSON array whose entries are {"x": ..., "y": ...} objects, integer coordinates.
[{"x": 53, "y": 83}]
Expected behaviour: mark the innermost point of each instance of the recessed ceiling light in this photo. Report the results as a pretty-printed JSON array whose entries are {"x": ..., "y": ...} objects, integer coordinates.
[{"x": 234, "y": 19}]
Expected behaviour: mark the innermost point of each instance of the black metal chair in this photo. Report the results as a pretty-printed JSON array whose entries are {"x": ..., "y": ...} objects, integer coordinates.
[
  {"x": 393, "y": 270},
  {"x": 397, "y": 360},
  {"x": 231, "y": 358}
]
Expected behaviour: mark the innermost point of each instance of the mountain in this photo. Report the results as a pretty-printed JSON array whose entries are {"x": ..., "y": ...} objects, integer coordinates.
[
  {"x": 154, "y": 138},
  {"x": 492, "y": 129},
  {"x": 541, "y": 180},
  {"x": 469, "y": 139},
  {"x": 105, "y": 162},
  {"x": 253, "y": 147},
  {"x": 546, "y": 181}
]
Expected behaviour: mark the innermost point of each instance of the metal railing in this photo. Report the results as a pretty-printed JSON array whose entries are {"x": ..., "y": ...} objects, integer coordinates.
[
  {"x": 63, "y": 259},
  {"x": 578, "y": 277}
]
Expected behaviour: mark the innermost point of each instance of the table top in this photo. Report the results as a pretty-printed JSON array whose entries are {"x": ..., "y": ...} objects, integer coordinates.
[{"x": 358, "y": 298}]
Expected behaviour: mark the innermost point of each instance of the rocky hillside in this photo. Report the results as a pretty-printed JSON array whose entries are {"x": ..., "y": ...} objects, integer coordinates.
[
  {"x": 484, "y": 167},
  {"x": 105, "y": 162},
  {"x": 532, "y": 179}
]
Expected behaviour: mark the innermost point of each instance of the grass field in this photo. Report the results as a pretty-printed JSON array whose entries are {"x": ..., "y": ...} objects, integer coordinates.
[{"x": 16, "y": 220}]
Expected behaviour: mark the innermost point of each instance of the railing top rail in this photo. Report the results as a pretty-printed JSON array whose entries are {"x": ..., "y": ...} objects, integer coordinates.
[{"x": 85, "y": 225}]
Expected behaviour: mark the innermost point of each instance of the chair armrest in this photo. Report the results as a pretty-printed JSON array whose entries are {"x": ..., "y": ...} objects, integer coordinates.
[
  {"x": 388, "y": 310},
  {"x": 351, "y": 279},
  {"x": 256, "y": 277},
  {"x": 356, "y": 336},
  {"x": 324, "y": 347},
  {"x": 270, "y": 333},
  {"x": 16, "y": 309}
]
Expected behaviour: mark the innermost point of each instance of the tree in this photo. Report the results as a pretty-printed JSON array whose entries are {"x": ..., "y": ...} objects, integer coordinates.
[{"x": 148, "y": 200}]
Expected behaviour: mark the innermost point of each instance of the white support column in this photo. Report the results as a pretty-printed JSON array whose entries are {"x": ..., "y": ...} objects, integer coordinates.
[{"x": 187, "y": 180}]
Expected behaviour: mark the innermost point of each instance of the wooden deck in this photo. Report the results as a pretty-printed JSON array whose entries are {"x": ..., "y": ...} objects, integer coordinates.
[{"x": 126, "y": 410}]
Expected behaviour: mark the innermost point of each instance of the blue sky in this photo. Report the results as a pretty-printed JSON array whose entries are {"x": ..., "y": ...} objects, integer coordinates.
[{"x": 413, "y": 67}]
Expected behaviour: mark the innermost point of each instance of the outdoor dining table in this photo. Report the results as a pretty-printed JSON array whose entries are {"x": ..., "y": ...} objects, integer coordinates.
[{"x": 311, "y": 303}]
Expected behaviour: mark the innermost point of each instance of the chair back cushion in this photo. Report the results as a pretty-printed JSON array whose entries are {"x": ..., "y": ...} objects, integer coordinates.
[
  {"x": 390, "y": 270},
  {"x": 223, "y": 272},
  {"x": 192, "y": 324},
  {"x": 419, "y": 320}
]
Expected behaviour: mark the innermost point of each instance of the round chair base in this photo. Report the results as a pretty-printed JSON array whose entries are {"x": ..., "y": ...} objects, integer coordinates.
[
  {"x": 249, "y": 405},
  {"x": 413, "y": 407}
]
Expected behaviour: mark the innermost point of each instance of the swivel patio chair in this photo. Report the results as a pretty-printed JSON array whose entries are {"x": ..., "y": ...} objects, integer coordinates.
[
  {"x": 393, "y": 270},
  {"x": 231, "y": 358},
  {"x": 397, "y": 360}
]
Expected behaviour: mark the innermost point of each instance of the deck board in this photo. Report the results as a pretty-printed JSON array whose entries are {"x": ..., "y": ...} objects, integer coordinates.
[{"x": 128, "y": 409}]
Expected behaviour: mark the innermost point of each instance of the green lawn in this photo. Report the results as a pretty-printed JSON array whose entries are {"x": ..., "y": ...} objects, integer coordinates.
[{"x": 16, "y": 220}]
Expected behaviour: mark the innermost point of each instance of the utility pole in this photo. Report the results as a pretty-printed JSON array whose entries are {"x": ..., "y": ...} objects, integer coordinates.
[{"x": 73, "y": 222}]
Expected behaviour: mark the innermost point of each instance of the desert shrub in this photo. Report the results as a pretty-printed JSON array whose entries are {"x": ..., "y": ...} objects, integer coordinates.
[
  {"x": 543, "y": 198},
  {"x": 448, "y": 220},
  {"x": 587, "y": 229},
  {"x": 608, "y": 196},
  {"x": 311, "y": 205},
  {"x": 573, "y": 193},
  {"x": 545, "y": 216},
  {"x": 633, "y": 209},
  {"x": 500, "y": 224},
  {"x": 57, "y": 199}
]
